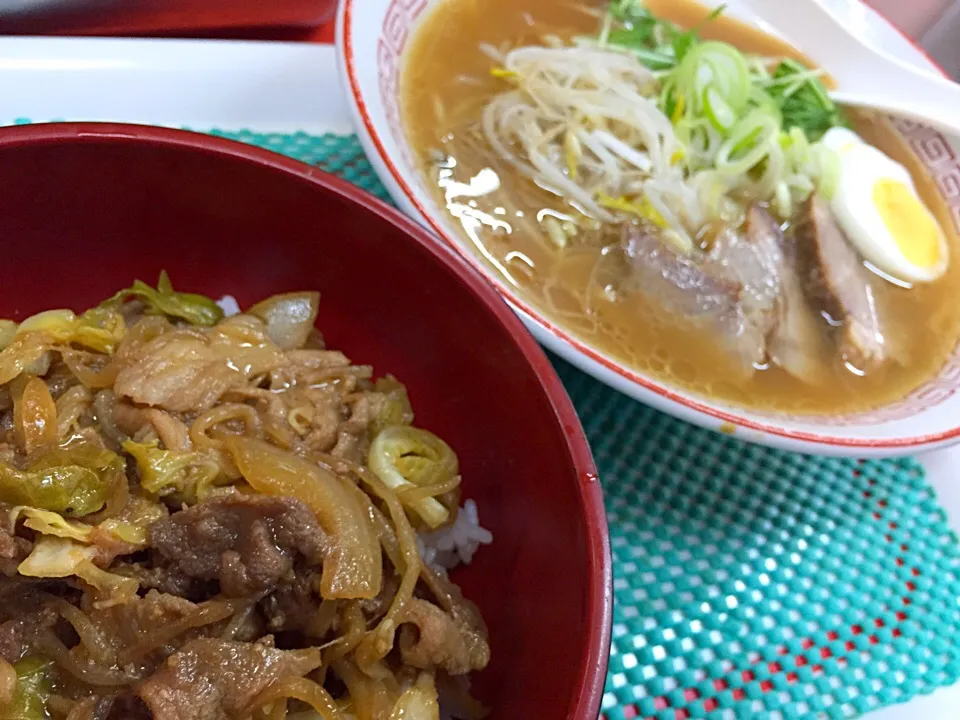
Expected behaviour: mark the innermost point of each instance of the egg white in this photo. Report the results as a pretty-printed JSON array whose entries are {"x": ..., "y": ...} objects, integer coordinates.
[
  {"x": 840, "y": 139},
  {"x": 861, "y": 167}
]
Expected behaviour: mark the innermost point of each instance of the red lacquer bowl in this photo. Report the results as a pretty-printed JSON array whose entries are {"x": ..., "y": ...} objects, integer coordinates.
[{"x": 86, "y": 208}]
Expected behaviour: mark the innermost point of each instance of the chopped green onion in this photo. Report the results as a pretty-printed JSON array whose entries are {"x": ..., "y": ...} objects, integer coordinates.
[
  {"x": 747, "y": 124},
  {"x": 749, "y": 143},
  {"x": 828, "y": 166},
  {"x": 782, "y": 200},
  {"x": 719, "y": 113},
  {"x": 719, "y": 66}
]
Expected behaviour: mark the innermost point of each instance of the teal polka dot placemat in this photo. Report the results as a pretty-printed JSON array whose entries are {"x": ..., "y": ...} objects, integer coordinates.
[
  {"x": 753, "y": 583},
  {"x": 748, "y": 582}
]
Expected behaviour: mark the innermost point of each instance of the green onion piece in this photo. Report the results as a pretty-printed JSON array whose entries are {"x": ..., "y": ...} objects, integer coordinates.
[
  {"x": 34, "y": 688},
  {"x": 405, "y": 457},
  {"x": 719, "y": 66},
  {"x": 750, "y": 142},
  {"x": 718, "y": 112},
  {"x": 828, "y": 166},
  {"x": 195, "y": 309}
]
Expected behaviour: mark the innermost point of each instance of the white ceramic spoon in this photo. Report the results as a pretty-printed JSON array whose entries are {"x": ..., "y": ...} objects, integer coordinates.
[{"x": 866, "y": 77}]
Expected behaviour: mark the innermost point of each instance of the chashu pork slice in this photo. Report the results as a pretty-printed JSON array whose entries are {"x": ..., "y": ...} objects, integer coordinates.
[
  {"x": 698, "y": 289},
  {"x": 796, "y": 341},
  {"x": 836, "y": 279}
]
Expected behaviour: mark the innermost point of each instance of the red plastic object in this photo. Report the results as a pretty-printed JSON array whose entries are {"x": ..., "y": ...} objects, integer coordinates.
[
  {"x": 199, "y": 18},
  {"x": 304, "y": 20},
  {"x": 86, "y": 208}
]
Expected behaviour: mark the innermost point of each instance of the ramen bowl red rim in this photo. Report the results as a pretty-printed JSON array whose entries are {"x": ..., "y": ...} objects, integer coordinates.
[
  {"x": 374, "y": 94},
  {"x": 555, "y": 404}
]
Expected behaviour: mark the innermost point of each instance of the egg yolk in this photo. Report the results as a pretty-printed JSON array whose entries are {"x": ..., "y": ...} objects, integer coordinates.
[{"x": 910, "y": 223}]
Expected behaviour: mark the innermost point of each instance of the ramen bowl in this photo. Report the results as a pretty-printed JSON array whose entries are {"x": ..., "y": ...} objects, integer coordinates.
[
  {"x": 374, "y": 39},
  {"x": 86, "y": 208}
]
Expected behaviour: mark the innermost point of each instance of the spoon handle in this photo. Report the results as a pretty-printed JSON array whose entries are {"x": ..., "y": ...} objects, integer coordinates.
[
  {"x": 867, "y": 77},
  {"x": 901, "y": 90}
]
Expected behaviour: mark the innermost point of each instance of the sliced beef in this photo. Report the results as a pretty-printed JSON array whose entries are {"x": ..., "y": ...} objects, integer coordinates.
[
  {"x": 432, "y": 639},
  {"x": 127, "y": 624},
  {"x": 217, "y": 680},
  {"x": 248, "y": 543},
  {"x": 326, "y": 419},
  {"x": 13, "y": 549},
  {"x": 18, "y": 633},
  {"x": 167, "y": 579},
  {"x": 189, "y": 371},
  {"x": 837, "y": 280},
  {"x": 365, "y": 408},
  {"x": 293, "y": 605},
  {"x": 697, "y": 288},
  {"x": 127, "y": 707}
]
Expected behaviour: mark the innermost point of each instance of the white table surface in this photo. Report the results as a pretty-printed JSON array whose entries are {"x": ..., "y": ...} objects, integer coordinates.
[
  {"x": 264, "y": 87},
  {"x": 261, "y": 86}
]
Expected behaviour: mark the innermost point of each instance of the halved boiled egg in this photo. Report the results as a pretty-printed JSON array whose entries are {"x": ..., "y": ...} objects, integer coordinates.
[{"x": 877, "y": 206}]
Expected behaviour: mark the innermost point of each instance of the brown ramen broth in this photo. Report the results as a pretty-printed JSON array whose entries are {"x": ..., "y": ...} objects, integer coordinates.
[{"x": 446, "y": 84}]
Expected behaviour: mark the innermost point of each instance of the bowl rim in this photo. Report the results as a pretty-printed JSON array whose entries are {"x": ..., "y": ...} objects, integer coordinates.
[
  {"x": 665, "y": 396},
  {"x": 599, "y": 593}
]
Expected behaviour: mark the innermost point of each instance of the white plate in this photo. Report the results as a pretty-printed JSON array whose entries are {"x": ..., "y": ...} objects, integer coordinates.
[{"x": 260, "y": 86}]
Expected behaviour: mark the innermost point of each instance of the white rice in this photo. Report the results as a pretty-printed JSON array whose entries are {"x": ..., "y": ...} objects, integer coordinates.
[
  {"x": 229, "y": 305},
  {"x": 448, "y": 547}
]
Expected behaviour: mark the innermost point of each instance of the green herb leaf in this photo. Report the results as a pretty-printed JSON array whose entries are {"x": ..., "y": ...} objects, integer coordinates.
[
  {"x": 655, "y": 60},
  {"x": 714, "y": 14},
  {"x": 635, "y": 29},
  {"x": 630, "y": 11},
  {"x": 803, "y": 100},
  {"x": 682, "y": 44}
]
